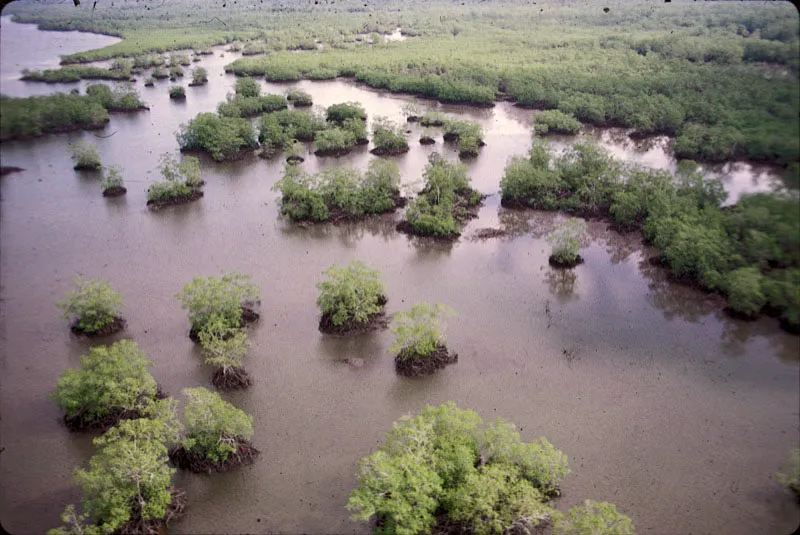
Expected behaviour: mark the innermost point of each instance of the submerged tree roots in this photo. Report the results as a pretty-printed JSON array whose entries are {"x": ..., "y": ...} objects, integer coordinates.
[
  {"x": 138, "y": 526},
  {"x": 200, "y": 464},
  {"x": 233, "y": 379},
  {"x": 413, "y": 366},
  {"x": 114, "y": 326}
]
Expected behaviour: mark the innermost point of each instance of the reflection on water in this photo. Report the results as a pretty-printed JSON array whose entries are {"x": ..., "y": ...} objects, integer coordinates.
[{"x": 619, "y": 367}]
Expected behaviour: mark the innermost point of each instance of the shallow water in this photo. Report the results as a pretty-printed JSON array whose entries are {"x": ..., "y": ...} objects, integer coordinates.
[{"x": 665, "y": 406}]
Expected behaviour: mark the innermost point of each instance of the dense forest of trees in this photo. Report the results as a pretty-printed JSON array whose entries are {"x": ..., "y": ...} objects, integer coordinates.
[{"x": 721, "y": 78}]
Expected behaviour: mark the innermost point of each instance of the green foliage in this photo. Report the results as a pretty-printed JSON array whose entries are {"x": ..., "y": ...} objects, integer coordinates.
[
  {"x": 199, "y": 76},
  {"x": 730, "y": 68},
  {"x": 111, "y": 379},
  {"x": 241, "y": 106},
  {"x": 112, "y": 178},
  {"x": 791, "y": 480},
  {"x": 387, "y": 135},
  {"x": 339, "y": 190},
  {"x": 433, "y": 118},
  {"x": 214, "y": 427},
  {"x": 92, "y": 305},
  {"x": 123, "y": 98},
  {"x": 176, "y": 71},
  {"x": 744, "y": 289},
  {"x": 443, "y": 462},
  {"x": 223, "y": 346},
  {"x": 419, "y": 331},
  {"x": 337, "y": 113},
  {"x": 75, "y": 524},
  {"x": 357, "y": 127},
  {"x": 128, "y": 477},
  {"x": 565, "y": 241},
  {"x": 247, "y": 87},
  {"x": 22, "y": 118},
  {"x": 444, "y": 200},
  {"x": 180, "y": 178},
  {"x": 593, "y": 518},
  {"x": 556, "y": 122},
  {"x": 221, "y": 137},
  {"x": 217, "y": 298},
  {"x": 352, "y": 295},
  {"x": 277, "y": 128},
  {"x": 85, "y": 155},
  {"x": 334, "y": 140},
  {"x": 298, "y": 97},
  {"x": 177, "y": 91},
  {"x": 120, "y": 71},
  {"x": 159, "y": 73}
]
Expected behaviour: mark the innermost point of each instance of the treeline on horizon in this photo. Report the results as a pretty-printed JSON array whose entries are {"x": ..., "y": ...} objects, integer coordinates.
[{"x": 721, "y": 78}]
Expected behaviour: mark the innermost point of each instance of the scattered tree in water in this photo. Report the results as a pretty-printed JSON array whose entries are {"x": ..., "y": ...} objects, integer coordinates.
[
  {"x": 240, "y": 106},
  {"x": 433, "y": 118},
  {"x": 222, "y": 137},
  {"x": 791, "y": 480},
  {"x": 468, "y": 134},
  {"x": 124, "y": 98},
  {"x": 275, "y": 129},
  {"x": 444, "y": 203},
  {"x": 85, "y": 156},
  {"x": 223, "y": 299},
  {"x": 419, "y": 347},
  {"x": 93, "y": 307},
  {"x": 199, "y": 76},
  {"x": 224, "y": 347},
  {"x": 113, "y": 185},
  {"x": 338, "y": 193},
  {"x": 127, "y": 487},
  {"x": 352, "y": 299},
  {"x": 565, "y": 241},
  {"x": 217, "y": 434},
  {"x": 299, "y": 98},
  {"x": 682, "y": 216},
  {"x": 294, "y": 151},
  {"x": 159, "y": 73},
  {"x": 22, "y": 118},
  {"x": 334, "y": 142},
  {"x": 337, "y": 113},
  {"x": 111, "y": 384},
  {"x": 182, "y": 182},
  {"x": 442, "y": 471},
  {"x": 388, "y": 137},
  {"x": 177, "y": 92},
  {"x": 592, "y": 518}
]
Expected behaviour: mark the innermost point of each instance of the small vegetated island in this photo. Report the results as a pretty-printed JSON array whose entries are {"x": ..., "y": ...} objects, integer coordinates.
[
  {"x": 111, "y": 384},
  {"x": 352, "y": 300},
  {"x": 85, "y": 156},
  {"x": 223, "y": 138},
  {"x": 444, "y": 204},
  {"x": 282, "y": 128},
  {"x": 217, "y": 435},
  {"x": 467, "y": 134},
  {"x": 347, "y": 127},
  {"x": 182, "y": 182},
  {"x": 249, "y": 102},
  {"x": 299, "y": 98},
  {"x": 388, "y": 137},
  {"x": 340, "y": 194},
  {"x": 199, "y": 77},
  {"x": 93, "y": 307},
  {"x": 229, "y": 299},
  {"x": 23, "y": 118},
  {"x": 419, "y": 347},
  {"x": 113, "y": 184},
  {"x": 443, "y": 471},
  {"x": 177, "y": 92},
  {"x": 748, "y": 252},
  {"x": 128, "y": 485}
]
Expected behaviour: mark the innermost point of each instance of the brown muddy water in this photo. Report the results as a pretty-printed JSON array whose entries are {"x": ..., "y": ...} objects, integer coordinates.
[{"x": 665, "y": 406}]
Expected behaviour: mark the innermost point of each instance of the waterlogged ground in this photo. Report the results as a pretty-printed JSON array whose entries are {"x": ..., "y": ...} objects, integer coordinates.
[{"x": 665, "y": 406}]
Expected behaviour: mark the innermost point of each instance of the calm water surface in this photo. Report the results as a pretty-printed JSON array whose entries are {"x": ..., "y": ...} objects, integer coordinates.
[{"x": 665, "y": 406}]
